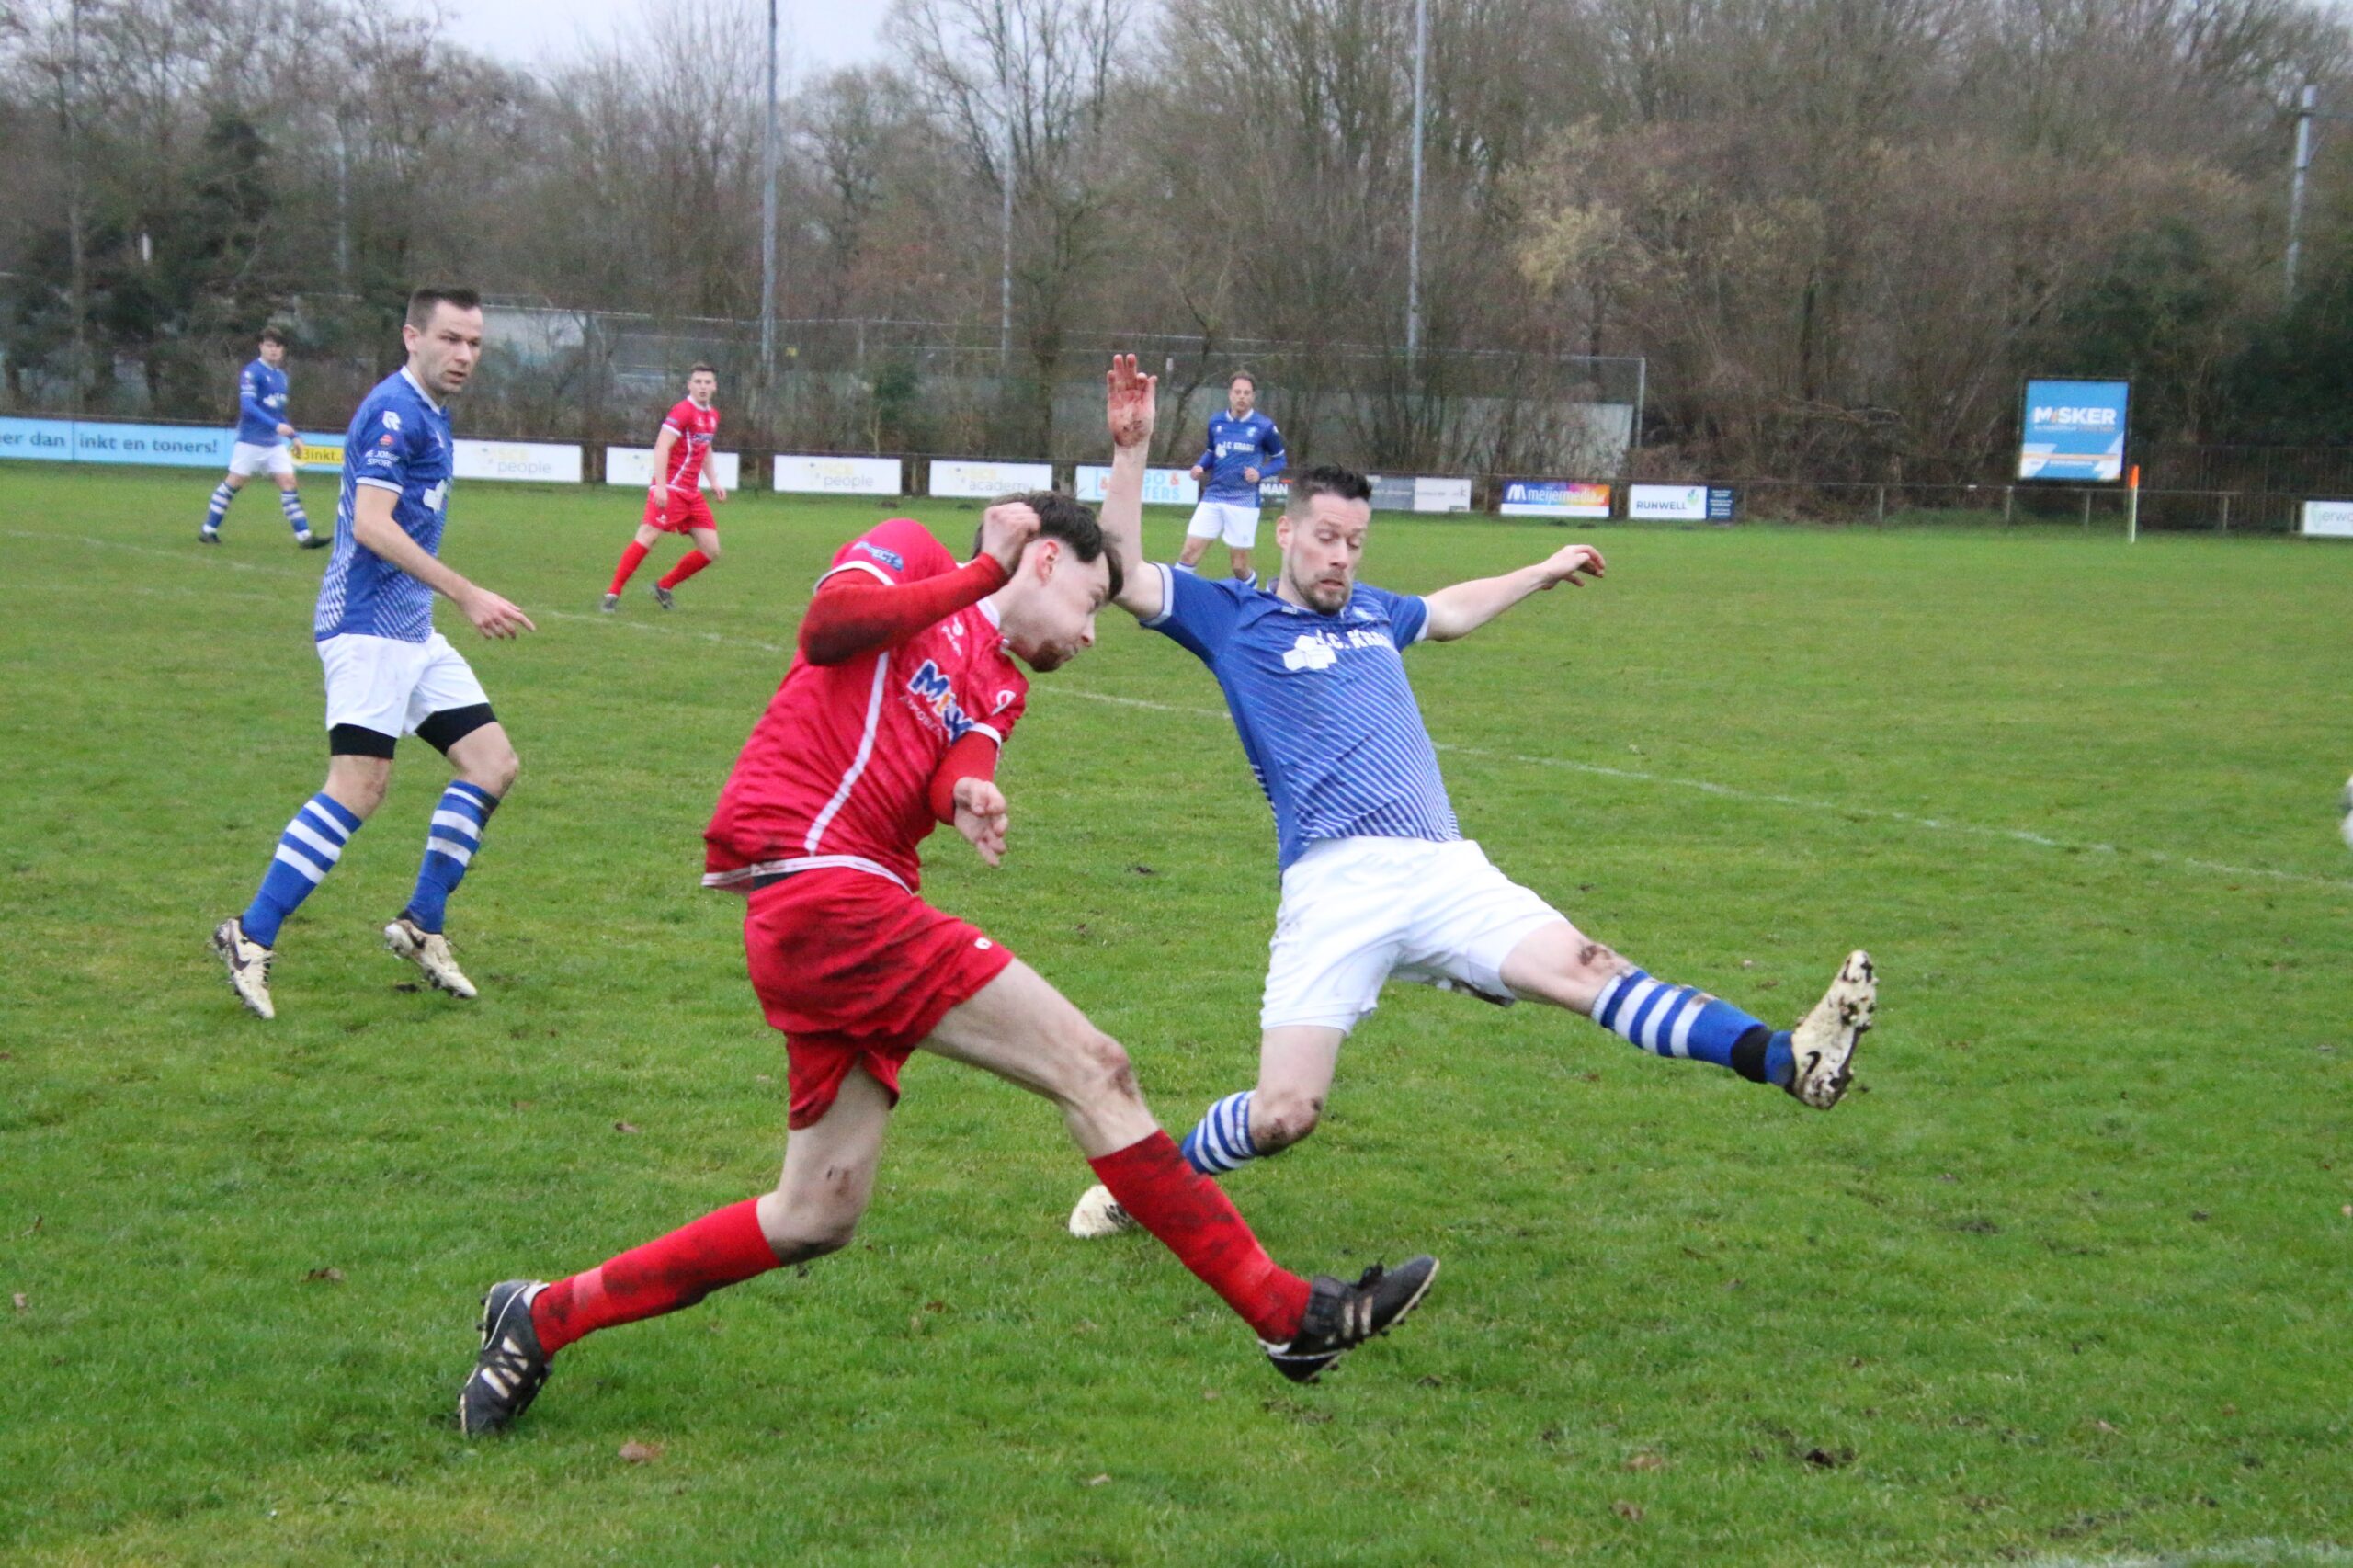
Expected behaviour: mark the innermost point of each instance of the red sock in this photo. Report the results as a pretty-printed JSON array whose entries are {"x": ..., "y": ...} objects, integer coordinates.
[
  {"x": 725, "y": 1247},
  {"x": 629, "y": 558},
  {"x": 688, "y": 564},
  {"x": 1194, "y": 1220}
]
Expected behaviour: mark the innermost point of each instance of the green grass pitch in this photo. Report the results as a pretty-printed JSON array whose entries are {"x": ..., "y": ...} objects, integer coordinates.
[{"x": 2066, "y": 1280}]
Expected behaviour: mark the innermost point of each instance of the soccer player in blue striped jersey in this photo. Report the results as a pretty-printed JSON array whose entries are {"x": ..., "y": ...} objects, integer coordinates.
[
  {"x": 1244, "y": 448},
  {"x": 262, "y": 436},
  {"x": 389, "y": 673},
  {"x": 1378, "y": 881}
]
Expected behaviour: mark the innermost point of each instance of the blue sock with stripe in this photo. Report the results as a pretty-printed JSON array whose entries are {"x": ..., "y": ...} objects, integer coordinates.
[
  {"x": 291, "y": 505},
  {"x": 307, "y": 851},
  {"x": 449, "y": 847},
  {"x": 222, "y": 496},
  {"x": 1684, "y": 1021},
  {"x": 1222, "y": 1142}
]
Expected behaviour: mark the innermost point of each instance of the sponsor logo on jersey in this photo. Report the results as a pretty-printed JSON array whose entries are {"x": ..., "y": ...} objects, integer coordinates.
[
  {"x": 890, "y": 558},
  {"x": 1321, "y": 650},
  {"x": 935, "y": 692}
]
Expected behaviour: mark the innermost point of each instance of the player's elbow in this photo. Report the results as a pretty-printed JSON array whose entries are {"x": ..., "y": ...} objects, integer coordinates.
[{"x": 822, "y": 648}]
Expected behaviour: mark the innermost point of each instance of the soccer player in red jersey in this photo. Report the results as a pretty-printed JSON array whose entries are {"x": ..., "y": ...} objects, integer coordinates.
[
  {"x": 889, "y": 722},
  {"x": 674, "y": 502}
]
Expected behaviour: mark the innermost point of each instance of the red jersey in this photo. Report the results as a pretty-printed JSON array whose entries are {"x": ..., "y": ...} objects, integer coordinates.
[
  {"x": 694, "y": 427},
  {"x": 838, "y": 770}
]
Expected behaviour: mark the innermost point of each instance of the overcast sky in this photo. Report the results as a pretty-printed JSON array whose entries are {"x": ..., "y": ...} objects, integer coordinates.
[{"x": 819, "y": 35}]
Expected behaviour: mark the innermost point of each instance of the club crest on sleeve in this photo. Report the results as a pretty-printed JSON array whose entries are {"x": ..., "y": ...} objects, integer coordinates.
[{"x": 391, "y": 419}]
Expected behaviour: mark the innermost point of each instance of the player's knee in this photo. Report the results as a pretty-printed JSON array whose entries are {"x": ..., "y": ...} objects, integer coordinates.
[
  {"x": 1099, "y": 1071},
  {"x": 1279, "y": 1118},
  {"x": 496, "y": 774},
  {"x": 711, "y": 552}
]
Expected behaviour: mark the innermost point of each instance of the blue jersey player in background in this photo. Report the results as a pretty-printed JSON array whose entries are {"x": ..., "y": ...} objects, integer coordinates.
[
  {"x": 1243, "y": 448},
  {"x": 389, "y": 673},
  {"x": 1378, "y": 881},
  {"x": 262, "y": 436}
]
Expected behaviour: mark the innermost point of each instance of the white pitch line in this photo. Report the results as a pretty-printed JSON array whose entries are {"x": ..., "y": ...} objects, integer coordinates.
[{"x": 1596, "y": 769}]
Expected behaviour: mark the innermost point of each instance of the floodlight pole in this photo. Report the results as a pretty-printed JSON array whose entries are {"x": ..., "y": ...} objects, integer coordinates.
[
  {"x": 1005, "y": 264},
  {"x": 767, "y": 219},
  {"x": 1413, "y": 231},
  {"x": 2307, "y": 101}
]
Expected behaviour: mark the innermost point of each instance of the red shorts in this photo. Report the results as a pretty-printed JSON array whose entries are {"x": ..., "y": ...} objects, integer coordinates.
[
  {"x": 683, "y": 515},
  {"x": 856, "y": 972}
]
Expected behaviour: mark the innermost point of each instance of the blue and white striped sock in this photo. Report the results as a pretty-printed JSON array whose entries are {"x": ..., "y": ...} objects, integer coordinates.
[
  {"x": 307, "y": 851},
  {"x": 291, "y": 505},
  {"x": 1222, "y": 1142},
  {"x": 1682, "y": 1021},
  {"x": 449, "y": 847},
  {"x": 222, "y": 496}
]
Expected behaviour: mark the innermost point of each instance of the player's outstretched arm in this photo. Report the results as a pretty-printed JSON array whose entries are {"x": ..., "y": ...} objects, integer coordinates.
[
  {"x": 1464, "y": 609},
  {"x": 375, "y": 531},
  {"x": 1130, "y": 403}
]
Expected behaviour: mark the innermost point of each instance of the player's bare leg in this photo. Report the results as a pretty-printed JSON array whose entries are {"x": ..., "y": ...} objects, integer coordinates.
[
  {"x": 1238, "y": 559},
  {"x": 1024, "y": 1030},
  {"x": 633, "y": 553},
  {"x": 486, "y": 767},
  {"x": 1296, "y": 1065},
  {"x": 704, "y": 553},
  {"x": 1814, "y": 1060},
  {"x": 312, "y": 843},
  {"x": 1196, "y": 546},
  {"x": 827, "y": 1180}
]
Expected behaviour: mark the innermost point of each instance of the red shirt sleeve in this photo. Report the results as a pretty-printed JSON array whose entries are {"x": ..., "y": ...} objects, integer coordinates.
[
  {"x": 885, "y": 587},
  {"x": 974, "y": 757}
]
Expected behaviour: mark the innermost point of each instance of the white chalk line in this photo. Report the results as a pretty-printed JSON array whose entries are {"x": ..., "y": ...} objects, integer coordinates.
[
  {"x": 1595, "y": 769},
  {"x": 2258, "y": 1549}
]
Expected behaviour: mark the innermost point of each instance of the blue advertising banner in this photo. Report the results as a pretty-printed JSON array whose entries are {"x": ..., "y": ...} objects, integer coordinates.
[
  {"x": 89, "y": 441},
  {"x": 174, "y": 445},
  {"x": 2074, "y": 430},
  {"x": 49, "y": 438}
]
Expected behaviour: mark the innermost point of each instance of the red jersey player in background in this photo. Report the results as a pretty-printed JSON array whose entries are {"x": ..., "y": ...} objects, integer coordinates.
[
  {"x": 889, "y": 721},
  {"x": 674, "y": 502}
]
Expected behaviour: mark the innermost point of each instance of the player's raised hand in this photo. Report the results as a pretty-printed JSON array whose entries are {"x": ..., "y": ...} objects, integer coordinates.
[
  {"x": 981, "y": 814},
  {"x": 493, "y": 616},
  {"x": 1572, "y": 564},
  {"x": 1006, "y": 528},
  {"x": 1129, "y": 402}
]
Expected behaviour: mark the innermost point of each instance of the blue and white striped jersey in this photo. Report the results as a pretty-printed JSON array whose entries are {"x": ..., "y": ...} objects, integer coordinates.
[
  {"x": 398, "y": 442},
  {"x": 1234, "y": 445},
  {"x": 1325, "y": 713},
  {"x": 261, "y": 405}
]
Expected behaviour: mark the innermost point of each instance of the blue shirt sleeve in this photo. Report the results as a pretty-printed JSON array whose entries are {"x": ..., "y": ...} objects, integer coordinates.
[
  {"x": 1409, "y": 614},
  {"x": 1272, "y": 447},
  {"x": 383, "y": 452},
  {"x": 250, "y": 393},
  {"x": 1198, "y": 615},
  {"x": 1207, "y": 462}
]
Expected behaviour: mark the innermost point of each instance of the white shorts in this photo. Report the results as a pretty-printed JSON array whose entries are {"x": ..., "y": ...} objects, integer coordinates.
[
  {"x": 1359, "y": 912},
  {"x": 390, "y": 686},
  {"x": 246, "y": 459},
  {"x": 1236, "y": 522}
]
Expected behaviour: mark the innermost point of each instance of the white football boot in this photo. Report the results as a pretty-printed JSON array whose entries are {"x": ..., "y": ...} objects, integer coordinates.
[
  {"x": 248, "y": 963},
  {"x": 1825, "y": 1040},
  {"x": 429, "y": 950},
  {"x": 1099, "y": 1214}
]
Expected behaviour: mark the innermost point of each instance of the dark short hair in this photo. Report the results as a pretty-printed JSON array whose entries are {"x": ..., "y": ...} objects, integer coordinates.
[
  {"x": 699, "y": 368},
  {"x": 1328, "y": 479},
  {"x": 1242, "y": 376},
  {"x": 421, "y": 304},
  {"x": 1067, "y": 519},
  {"x": 271, "y": 335}
]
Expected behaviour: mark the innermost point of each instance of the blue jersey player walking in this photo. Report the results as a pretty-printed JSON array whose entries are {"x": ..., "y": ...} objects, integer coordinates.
[
  {"x": 1378, "y": 881},
  {"x": 262, "y": 436},
  {"x": 389, "y": 673},
  {"x": 1243, "y": 448}
]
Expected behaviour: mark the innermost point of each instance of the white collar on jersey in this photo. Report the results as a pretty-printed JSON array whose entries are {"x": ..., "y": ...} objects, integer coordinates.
[
  {"x": 996, "y": 617},
  {"x": 420, "y": 389}
]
